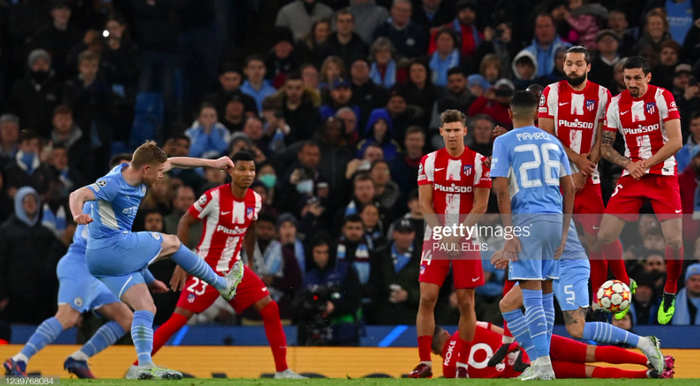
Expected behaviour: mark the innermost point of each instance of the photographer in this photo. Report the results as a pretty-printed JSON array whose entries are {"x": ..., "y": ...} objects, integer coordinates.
[{"x": 327, "y": 307}]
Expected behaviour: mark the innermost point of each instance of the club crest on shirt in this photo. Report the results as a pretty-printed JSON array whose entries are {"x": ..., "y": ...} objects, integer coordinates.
[
  {"x": 249, "y": 213},
  {"x": 78, "y": 301},
  {"x": 590, "y": 104},
  {"x": 651, "y": 107},
  {"x": 420, "y": 168},
  {"x": 190, "y": 298},
  {"x": 467, "y": 170}
]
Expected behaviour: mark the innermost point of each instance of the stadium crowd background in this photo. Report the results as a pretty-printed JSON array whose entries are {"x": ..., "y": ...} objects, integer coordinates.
[{"x": 338, "y": 101}]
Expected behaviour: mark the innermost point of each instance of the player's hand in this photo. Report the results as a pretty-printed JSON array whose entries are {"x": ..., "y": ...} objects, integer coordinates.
[
  {"x": 398, "y": 296},
  {"x": 224, "y": 163},
  {"x": 579, "y": 181},
  {"x": 499, "y": 260},
  {"x": 158, "y": 287},
  {"x": 82, "y": 219},
  {"x": 177, "y": 281},
  {"x": 453, "y": 245},
  {"x": 511, "y": 249},
  {"x": 636, "y": 169},
  {"x": 330, "y": 307},
  {"x": 584, "y": 165},
  {"x": 560, "y": 249},
  {"x": 499, "y": 130}
]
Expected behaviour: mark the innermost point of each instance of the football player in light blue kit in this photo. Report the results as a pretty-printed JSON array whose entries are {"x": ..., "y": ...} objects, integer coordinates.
[
  {"x": 119, "y": 257},
  {"x": 79, "y": 292},
  {"x": 571, "y": 291},
  {"x": 529, "y": 167}
]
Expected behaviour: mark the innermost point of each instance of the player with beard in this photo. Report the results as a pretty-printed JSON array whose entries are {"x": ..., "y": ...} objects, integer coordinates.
[{"x": 574, "y": 109}]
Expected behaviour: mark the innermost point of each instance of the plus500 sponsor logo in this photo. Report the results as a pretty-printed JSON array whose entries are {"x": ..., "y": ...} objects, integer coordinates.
[
  {"x": 576, "y": 124},
  {"x": 641, "y": 129},
  {"x": 453, "y": 188}
]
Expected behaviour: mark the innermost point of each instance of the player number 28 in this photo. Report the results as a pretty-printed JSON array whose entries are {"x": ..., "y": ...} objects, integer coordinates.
[{"x": 539, "y": 153}]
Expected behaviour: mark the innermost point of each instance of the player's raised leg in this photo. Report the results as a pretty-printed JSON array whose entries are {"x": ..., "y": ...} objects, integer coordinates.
[
  {"x": 425, "y": 328},
  {"x": 672, "y": 230}
]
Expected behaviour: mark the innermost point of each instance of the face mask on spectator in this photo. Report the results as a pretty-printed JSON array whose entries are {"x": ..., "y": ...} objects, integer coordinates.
[
  {"x": 305, "y": 187},
  {"x": 269, "y": 180}
]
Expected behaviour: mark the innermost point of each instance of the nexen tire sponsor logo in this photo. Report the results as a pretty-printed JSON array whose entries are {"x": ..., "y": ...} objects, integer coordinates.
[
  {"x": 453, "y": 188},
  {"x": 641, "y": 129},
  {"x": 576, "y": 124},
  {"x": 221, "y": 228}
]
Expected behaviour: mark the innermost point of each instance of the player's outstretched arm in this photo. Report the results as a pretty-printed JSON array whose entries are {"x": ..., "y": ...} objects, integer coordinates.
[
  {"x": 76, "y": 201},
  {"x": 223, "y": 163},
  {"x": 671, "y": 147}
]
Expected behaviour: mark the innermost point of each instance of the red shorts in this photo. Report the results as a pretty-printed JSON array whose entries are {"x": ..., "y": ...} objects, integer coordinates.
[
  {"x": 589, "y": 207},
  {"x": 466, "y": 269},
  {"x": 567, "y": 350},
  {"x": 198, "y": 295},
  {"x": 630, "y": 194}
]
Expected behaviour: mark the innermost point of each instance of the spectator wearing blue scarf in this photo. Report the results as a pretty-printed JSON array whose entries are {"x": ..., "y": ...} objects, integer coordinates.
[
  {"x": 688, "y": 299},
  {"x": 445, "y": 57},
  {"x": 545, "y": 44},
  {"x": 383, "y": 71}
]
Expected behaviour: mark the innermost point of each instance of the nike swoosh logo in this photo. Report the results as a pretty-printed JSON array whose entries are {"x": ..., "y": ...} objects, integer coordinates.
[
  {"x": 562, "y": 104},
  {"x": 595, "y": 227},
  {"x": 437, "y": 170},
  {"x": 624, "y": 113},
  {"x": 679, "y": 210},
  {"x": 225, "y": 213},
  {"x": 474, "y": 280}
]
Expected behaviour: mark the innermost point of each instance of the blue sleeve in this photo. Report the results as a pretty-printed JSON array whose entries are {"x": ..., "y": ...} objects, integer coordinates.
[
  {"x": 500, "y": 160},
  {"x": 566, "y": 169},
  {"x": 105, "y": 189},
  {"x": 198, "y": 143},
  {"x": 148, "y": 276},
  {"x": 217, "y": 141}
]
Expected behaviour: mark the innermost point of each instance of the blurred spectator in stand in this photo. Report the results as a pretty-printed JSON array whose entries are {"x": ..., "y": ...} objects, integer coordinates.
[
  {"x": 617, "y": 21},
  {"x": 684, "y": 156},
  {"x": 340, "y": 96},
  {"x": 414, "y": 216},
  {"x": 9, "y": 138},
  {"x": 33, "y": 98},
  {"x": 656, "y": 29},
  {"x": 433, "y": 13},
  {"x": 275, "y": 128},
  {"x": 335, "y": 155},
  {"x": 404, "y": 167},
  {"x": 363, "y": 193},
  {"x": 468, "y": 37},
  {"x": 373, "y": 228},
  {"x": 399, "y": 266},
  {"x": 309, "y": 76},
  {"x": 420, "y": 91},
  {"x": 604, "y": 61},
  {"x": 481, "y": 128},
  {"x": 331, "y": 70},
  {"x": 380, "y": 131},
  {"x": 477, "y": 85},
  {"x": 253, "y": 128},
  {"x": 456, "y": 96},
  {"x": 308, "y": 45},
  {"x": 298, "y": 110},
  {"x": 580, "y": 21},
  {"x": 402, "y": 115},
  {"x": 234, "y": 115},
  {"x": 184, "y": 198},
  {"x": 158, "y": 198},
  {"x": 654, "y": 240},
  {"x": 491, "y": 68},
  {"x": 545, "y": 44},
  {"x": 557, "y": 73},
  {"x": 208, "y": 137},
  {"x": 58, "y": 38},
  {"x": 367, "y": 93},
  {"x": 283, "y": 58},
  {"x": 655, "y": 265},
  {"x": 70, "y": 178},
  {"x": 445, "y": 57},
  {"x": 499, "y": 40},
  {"x": 350, "y": 124},
  {"x": 645, "y": 301},
  {"x": 372, "y": 153},
  {"x": 618, "y": 77},
  {"x": 67, "y": 134},
  {"x": 55, "y": 208},
  {"x": 26, "y": 168},
  {"x": 688, "y": 299},
  {"x": 691, "y": 44},
  {"x": 688, "y": 182},
  {"x": 263, "y": 191},
  {"x": 93, "y": 42},
  {"x": 6, "y": 202},
  {"x": 213, "y": 178},
  {"x": 301, "y": 177},
  {"x": 93, "y": 105},
  {"x": 387, "y": 192},
  {"x": 120, "y": 60},
  {"x": 255, "y": 84},
  {"x": 384, "y": 71},
  {"x": 687, "y": 93},
  {"x": 407, "y": 37},
  {"x": 344, "y": 43},
  {"x": 287, "y": 227},
  {"x": 300, "y": 14},
  {"x": 495, "y": 103},
  {"x": 669, "y": 58},
  {"x": 524, "y": 69},
  {"x": 230, "y": 80},
  {"x": 24, "y": 243}
]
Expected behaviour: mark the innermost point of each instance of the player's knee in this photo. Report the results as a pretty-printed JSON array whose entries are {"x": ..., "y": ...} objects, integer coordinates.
[
  {"x": 466, "y": 304},
  {"x": 605, "y": 238},
  {"x": 67, "y": 316},
  {"x": 428, "y": 300},
  {"x": 170, "y": 245},
  {"x": 505, "y": 305},
  {"x": 125, "y": 320}
]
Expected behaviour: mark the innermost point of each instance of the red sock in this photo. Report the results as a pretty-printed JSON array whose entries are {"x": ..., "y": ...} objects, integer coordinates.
[
  {"x": 611, "y": 372},
  {"x": 599, "y": 271},
  {"x": 674, "y": 267},
  {"x": 617, "y": 355},
  {"x": 569, "y": 369},
  {"x": 275, "y": 335},
  {"x": 464, "y": 348},
  {"x": 165, "y": 331},
  {"x": 613, "y": 255},
  {"x": 424, "y": 343}
]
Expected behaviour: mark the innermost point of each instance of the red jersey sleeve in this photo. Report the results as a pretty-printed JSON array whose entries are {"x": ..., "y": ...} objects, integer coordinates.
[
  {"x": 612, "y": 116},
  {"x": 258, "y": 205},
  {"x": 426, "y": 170},
  {"x": 200, "y": 208},
  {"x": 668, "y": 110},
  {"x": 482, "y": 177},
  {"x": 545, "y": 109},
  {"x": 604, "y": 103}
]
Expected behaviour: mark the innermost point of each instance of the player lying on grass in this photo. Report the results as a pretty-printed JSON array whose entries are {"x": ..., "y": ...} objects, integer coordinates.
[
  {"x": 78, "y": 292},
  {"x": 230, "y": 213},
  {"x": 569, "y": 357}
]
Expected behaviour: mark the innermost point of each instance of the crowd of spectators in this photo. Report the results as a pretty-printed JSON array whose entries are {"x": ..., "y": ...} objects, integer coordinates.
[{"x": 338, "y": 102}]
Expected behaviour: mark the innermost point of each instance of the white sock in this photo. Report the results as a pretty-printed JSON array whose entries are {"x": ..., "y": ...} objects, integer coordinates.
[
  {"x": 507, "y": 339},
  {"x": 459, "y": 364},
  {"x": 79, "y": 356},
  {"x": 644, "y": 343},
  {"x": 20, "y": 358},
  {"x": 544, "y": 364},
  {"x": 428, "y": 363}
]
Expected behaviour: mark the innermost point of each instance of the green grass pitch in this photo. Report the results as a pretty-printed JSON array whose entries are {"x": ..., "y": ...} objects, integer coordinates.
[{"x": 377, "y": 382}]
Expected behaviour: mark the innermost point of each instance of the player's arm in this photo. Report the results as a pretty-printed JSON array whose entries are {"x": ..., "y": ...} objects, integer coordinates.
[
  {"x": 76, "y": 201},
  {"x": 596, "y": 155},
  {"x": 223, "y": 163},
  {"x": 500, "y": 187},
  {"x": 671, "y": 147},
  {"x": 609, "y": 153},
  {"x": 582, "y": 162},
  {"x": 481, "y": 202},
  {"x": 425, "y": 196},
  {"x": 567, "y": 192},
  {"x": 249, "y": 243}
]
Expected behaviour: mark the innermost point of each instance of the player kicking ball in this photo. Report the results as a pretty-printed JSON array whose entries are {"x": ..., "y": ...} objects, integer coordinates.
[
  {"x": 229, "y": 213},
  {"x": 119, "y": 257},
  {"x": 79, "y": 292},
  {"x": 569, "y": 357}
]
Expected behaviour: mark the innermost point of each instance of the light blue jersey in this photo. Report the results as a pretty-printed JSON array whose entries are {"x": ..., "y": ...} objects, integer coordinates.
[
  {"x": 533, "y": 161},
  {"x": 77, "y": 248}
]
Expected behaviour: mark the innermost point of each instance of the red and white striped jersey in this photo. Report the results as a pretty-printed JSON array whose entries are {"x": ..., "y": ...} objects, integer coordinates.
[
  {"x": 576, "y": 115},
  {"x": 454, "y": 179},
  {"x": 226, "y": 220},
  {"x": 641, "y": 122}
]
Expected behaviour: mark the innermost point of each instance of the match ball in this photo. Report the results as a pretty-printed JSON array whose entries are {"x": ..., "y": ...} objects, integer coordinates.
[{"x": 614, "y": 296}]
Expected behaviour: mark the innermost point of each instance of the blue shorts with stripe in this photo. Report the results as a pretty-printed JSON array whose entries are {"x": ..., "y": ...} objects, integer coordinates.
[
  {"x": 78, "y": 288},
  {"x": 571, "y": 289},
  {"x": 536, "y": 259}
]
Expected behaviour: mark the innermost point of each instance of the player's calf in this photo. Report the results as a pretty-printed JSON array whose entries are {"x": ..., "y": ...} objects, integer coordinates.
[{"x": 575, "y": 321}]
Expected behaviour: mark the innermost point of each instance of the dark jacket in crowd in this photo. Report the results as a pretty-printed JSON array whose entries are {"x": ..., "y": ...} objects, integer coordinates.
[
  {"x": 156, "y": 26},
  {"x": 59, "y": 44},
  {"x": 410, "y": 42},
  {"x": 33, "y": 100},
  {"x": 355, "y": 49},
  {"x": 303, "y": 122},
  {"x": 17, "y": 175},
  {"x": 406, "y": 277}
]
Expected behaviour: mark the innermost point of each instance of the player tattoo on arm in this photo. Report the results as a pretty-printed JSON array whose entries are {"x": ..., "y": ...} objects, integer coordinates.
[
  {"x": 574, "y": 316},
  {"x": 609, "y": 153}
]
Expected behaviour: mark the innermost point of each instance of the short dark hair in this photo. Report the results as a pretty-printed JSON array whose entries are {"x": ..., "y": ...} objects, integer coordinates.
[
  {"x": 414, "y": 130},
  {"x": 361, "y": 177},
  {"x": 229, "y": 67},
  {"x": 206, "y": 105},
  {"x": 637, "y": 62},
  {"x": 523, "y": 103},
  {"x": 580, "y": 50},
  {"x": 62, "y": 110},
  {"x": 352, "y": 218},
  {"x": 455, "y": 71},
  {"x": 117, "y": 158},
  {"x": 181, "y": 137},
  {"x": 309, "y": 142},
  {"x": 253, "y": 58},
  {"x": 267, "y": 217},
  {"x": 412, "y": 195},
  {"x": 345, "y": 11},
  {"x": 294, "y": 75},
  {"x": 694, "y": 115},
  {"x": 379, "y": 161},
  {"x": 28, "y": 135},
  {"x": 242, "y": 155},
  {"x": 320, "y": 239},
  {"x": 450, "y": 116}
]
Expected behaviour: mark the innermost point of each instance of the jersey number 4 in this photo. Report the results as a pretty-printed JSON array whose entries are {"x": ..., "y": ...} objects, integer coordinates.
[{"x": 539, "y": 153}]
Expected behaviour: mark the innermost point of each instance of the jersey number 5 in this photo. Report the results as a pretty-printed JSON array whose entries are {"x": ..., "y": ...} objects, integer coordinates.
[{"x": 539, "y": 153}]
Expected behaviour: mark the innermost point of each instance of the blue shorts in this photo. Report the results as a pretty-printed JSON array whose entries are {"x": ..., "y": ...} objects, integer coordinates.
[
  {"x": 119, "y": 262},
  {"x": 571, "y": 289},
  {"x": 78, "y": 288},
  {"x": 536, "y": 259}
]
